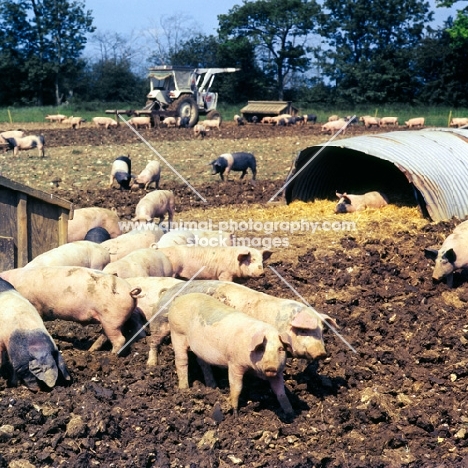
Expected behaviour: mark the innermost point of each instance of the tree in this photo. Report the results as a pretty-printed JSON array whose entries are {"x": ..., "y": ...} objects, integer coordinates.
[
  {"x": 458, "y": 30},
  {"x": 371, "y": 44},
  {"x": 48, "y": 37},
  {"x": 278, "y": 30}
]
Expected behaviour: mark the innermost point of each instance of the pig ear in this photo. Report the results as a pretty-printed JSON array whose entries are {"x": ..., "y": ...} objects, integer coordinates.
[
  {"x": 305, "y": 320},
  {"x": 266, "y": 254},
  {"x": 257, "y": 340},
  {"x": 450, "y": 255},
  {"x": 243, "y": 256},
  {"x": 62, "y": 367},
  {"x": 154, "y": 245},
  {"x": 286, "y": 340},
  {"x": 431, "y": 253},
  {"x": 339, "y": 195},
  {"x": 43, "y": 371},
  {"x": 330, "y": 320}
]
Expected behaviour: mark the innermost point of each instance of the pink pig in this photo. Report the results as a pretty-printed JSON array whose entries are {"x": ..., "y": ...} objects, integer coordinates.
[
  {"x": 351, "y": 203},
  {"x": 80, "y": 295},
  {"x": 223, "y": 263},
  {"x": 122, "y": 245},
  {"x": 149, "y": 175},
  {"x": 141, "y": 262},
  {"x": 222, "y": 336},
  {"x": 79, "y": 253},
  {"x": 86, "y": 218},
  {"x": 155, "y": 204}
]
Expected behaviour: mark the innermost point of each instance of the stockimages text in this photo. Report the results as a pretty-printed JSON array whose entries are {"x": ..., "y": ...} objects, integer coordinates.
[{"x": 247, "y": 233}]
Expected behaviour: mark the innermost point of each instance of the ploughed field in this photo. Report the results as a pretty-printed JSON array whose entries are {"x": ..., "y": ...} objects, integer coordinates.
[{"x": 399, "y": 400}]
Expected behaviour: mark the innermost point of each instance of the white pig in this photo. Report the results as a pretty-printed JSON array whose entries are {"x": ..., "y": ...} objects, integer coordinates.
[
  {"x": 141, "y": 262},
  {"x": 351, "y": 203},
  {"x": 156, "y": 204},
  {"x": 202, "y": 237},
  {"x": 30, "y": 348},
  {"x": 86, "y": 218},
  {"x": 223, "y": 263},
  {"x": 138, "y": 122},
  {"x": 452, "y": 255},
  {"x": 79, "y": 253},
  {"x": 222, "y": 336},
  {"x": 132, "y": 240},
  {"x": 104, "y": 122},
  {"x": 149, "y": 175},
  {"x": 303, "y": 324},
  {"x": 80, "y": 295}
]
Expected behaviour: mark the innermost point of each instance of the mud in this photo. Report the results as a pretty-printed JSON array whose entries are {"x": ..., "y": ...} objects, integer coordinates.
[{"x": 399, "y": 400}]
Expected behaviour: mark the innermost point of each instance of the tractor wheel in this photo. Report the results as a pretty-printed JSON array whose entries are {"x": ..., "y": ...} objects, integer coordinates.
[
  {"x": 213, "y": 115},
  {"x": 186, "y": 107}
]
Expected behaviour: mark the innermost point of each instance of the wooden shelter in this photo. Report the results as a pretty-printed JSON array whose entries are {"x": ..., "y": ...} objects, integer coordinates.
[{"x": 31, "y": 222}]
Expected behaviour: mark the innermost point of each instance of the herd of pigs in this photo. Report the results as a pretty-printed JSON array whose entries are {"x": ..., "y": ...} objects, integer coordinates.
[
  {"x": 167, "y": 279},
  {"x": 174, "y": 282}
]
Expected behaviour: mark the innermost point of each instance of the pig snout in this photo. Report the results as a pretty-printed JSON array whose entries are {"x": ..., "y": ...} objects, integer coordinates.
[{"x": 271, "y": 372}]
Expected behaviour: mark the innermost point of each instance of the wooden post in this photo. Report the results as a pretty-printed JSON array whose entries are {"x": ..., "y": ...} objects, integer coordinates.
[
  {"x": 22, "y": 232},
  {"x": 63, "y": 227}
]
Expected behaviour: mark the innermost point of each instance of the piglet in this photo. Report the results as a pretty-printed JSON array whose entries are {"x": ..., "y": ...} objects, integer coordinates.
[
  {"x": 452, "y": 255},
  {"x": 351, "y": 203},
  {"x": 80, "y": 295},
  {"x": 156, "y": 204},
  {"x": 151, "y": 174},
  {"x": 30, "y": 348},
  {"x": 220, "y": 335},
  {"x": 121, "y": 172},
  {"x": 228, "y": 162}
]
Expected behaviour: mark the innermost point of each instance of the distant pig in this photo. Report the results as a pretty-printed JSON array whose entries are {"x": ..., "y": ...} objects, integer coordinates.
[
  {"x": 27, "y": 143},
  {"x": 156, "y": 205},
  {"x": 31, "y": 350},
  {"x": 138, "y": 122},
  {"x": 200, "y": 131},
  {"x": 228, "y": 162},
  {"x": 85, "y": 219},
  {"x": 122, "y": 245},
  {"x": 223, "y": 263},
  {"x": 79, "y": 253},
  {"x": 416, "y": 122},
  {"x": 220, "y": 335},
  {"x": 334, "y": 126},
  {"x": 105, "y": 122},
  {"x": 303, "y": 324},
  {"x": 141, "y": 262},
  {"x": 121, "y": 172},
  {"x": 452, "y": 255},
  {"x": 151, "y": 174},
  {"x": 351, "y": 203},
  {"x": 80, "y": 295},
  {"x": 97, "y": 235}
]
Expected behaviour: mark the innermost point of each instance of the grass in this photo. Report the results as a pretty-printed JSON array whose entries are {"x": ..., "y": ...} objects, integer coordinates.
[{"x": 435, "y": 116}]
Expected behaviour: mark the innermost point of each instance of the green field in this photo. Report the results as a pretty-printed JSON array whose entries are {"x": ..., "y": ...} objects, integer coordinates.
[{"x": 435, "y": 116}]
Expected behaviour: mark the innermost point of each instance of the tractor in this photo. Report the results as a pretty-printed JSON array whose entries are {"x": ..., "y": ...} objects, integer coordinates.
[{"x": 180, "y": 92}]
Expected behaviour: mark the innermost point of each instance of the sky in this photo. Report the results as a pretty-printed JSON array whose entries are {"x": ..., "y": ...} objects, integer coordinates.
[{"x": 126, "y": 16}]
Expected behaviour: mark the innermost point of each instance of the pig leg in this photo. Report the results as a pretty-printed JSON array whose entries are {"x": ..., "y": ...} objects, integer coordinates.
[
  {"x": 99, "y": 343},
  {"x": 115, "y": 336},
  {"x": 156, "y": 338},
  {"x": 111, "y": 181},
  {"x": 181, "y": 347},
  {"x": 277, "y": 385},
  {"x": 235, "y": 376},
  {"x": 225, "y": 276},
  {"x": 207, "y": 373}
]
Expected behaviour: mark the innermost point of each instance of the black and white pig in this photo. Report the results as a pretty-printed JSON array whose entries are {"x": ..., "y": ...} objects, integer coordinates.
[
  {"x": 121, "y": 172},
  {"x": 97, "y": 234},
  {"x": 228, "y": 162},
  {"x": 31, "y": 351}
]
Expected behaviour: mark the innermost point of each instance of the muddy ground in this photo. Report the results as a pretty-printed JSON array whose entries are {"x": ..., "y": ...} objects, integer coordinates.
[{"x": 400, "y": 400}]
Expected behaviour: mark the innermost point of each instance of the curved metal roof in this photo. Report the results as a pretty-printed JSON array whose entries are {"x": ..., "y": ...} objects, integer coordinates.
[{"x": 434, "y": 161}]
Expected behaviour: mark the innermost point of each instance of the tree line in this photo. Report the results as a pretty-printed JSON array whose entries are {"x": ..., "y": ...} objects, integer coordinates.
[{"x": 339, "y": 52}]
